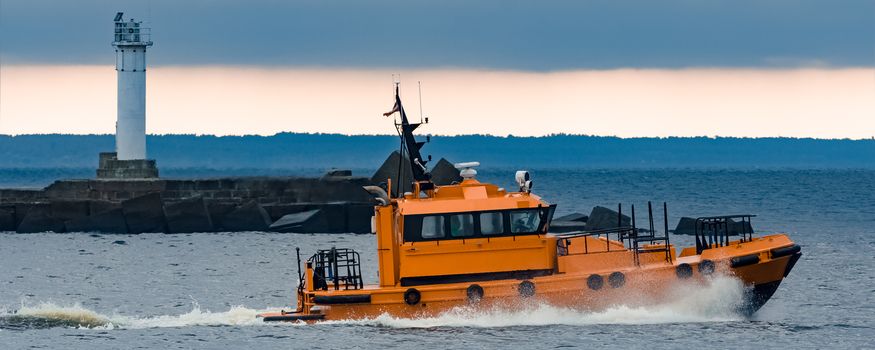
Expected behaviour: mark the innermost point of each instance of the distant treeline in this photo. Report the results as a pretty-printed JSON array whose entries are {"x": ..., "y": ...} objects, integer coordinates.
[{"x": 293, "y": 150}]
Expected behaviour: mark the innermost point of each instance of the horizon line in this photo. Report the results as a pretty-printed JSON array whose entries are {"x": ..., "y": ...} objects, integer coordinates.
[{"x": 509, "y": 136}]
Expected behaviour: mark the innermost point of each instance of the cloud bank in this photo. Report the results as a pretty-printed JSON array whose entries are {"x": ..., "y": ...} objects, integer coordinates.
[{"x": 488, "y": 34}]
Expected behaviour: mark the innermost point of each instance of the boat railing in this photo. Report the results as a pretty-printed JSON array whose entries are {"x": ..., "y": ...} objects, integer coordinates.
[
  {"x": 337, "y": 268},
  {"x": 715, "y": 231},
  {"x": 622, "y": 234},
  {"x": 300, "y": 273},
  {"x": 630, "y": 237},
  {"x": 652, "y": 241}
]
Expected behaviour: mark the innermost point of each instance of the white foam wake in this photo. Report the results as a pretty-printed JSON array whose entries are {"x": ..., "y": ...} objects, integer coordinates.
[
  {"x": 718, "y": 301},
  {"x": 715, "y": 302},
  {"x": 44, "y": 315},
  {"x": 53, "y": 315}
]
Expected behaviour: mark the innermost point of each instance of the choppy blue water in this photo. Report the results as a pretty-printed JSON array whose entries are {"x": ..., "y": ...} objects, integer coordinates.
[{"x": 203, "y": 290}]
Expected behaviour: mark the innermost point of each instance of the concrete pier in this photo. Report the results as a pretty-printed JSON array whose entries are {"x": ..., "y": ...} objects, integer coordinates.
[
  {"x": 186, "y": 205},
  {"x": 132, "y": 200}
]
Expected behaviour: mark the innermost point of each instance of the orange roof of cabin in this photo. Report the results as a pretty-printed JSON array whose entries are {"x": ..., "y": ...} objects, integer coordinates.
[{"x": 470, "y": 195}]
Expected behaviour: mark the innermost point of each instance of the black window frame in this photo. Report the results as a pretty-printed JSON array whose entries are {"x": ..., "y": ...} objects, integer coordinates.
[{"x": 413, "y": 224}]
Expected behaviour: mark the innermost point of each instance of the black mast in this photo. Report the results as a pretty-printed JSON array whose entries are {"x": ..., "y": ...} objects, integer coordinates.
[{"x": 409, "y": 143}]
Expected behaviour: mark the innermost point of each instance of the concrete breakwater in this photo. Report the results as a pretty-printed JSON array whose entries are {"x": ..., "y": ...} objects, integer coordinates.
[
  {"x": 338, "y": 203},
  {"x": 333, "y": 203}
]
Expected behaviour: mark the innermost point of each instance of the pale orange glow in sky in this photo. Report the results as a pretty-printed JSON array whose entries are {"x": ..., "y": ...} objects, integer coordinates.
[{"x": 229, "y": 100}]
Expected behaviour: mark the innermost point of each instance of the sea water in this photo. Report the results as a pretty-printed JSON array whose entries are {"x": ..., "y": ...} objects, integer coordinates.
[{"x": 203, "y": 290}]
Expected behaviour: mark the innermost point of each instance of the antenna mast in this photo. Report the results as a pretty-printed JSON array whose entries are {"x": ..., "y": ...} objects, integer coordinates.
[
  {"x": 396, "y": 80},
  {"x": 420, "y": 101},
  {"x": 409, "y": 145}
]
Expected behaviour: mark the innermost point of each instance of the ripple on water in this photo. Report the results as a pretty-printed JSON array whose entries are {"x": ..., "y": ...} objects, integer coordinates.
[{"x": 147, "y": 292}]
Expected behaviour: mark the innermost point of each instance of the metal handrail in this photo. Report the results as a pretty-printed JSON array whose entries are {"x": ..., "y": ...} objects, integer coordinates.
[
  {"x": 714, "y": 231},
  {"x": 337, "y": 266},
  {"x": 627, "y": 235},
  {"x": 132, "y": 35},
  {"x": 624, "y": 234}
]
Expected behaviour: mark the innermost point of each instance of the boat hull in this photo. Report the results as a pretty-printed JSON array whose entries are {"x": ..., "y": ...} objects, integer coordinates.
[{"x": 652, "y": 283}]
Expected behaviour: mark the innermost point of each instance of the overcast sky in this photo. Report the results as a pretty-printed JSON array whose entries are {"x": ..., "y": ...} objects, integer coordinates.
[
  {"x": 627, "y": 68},
  {"x": 518, "y": 35}
]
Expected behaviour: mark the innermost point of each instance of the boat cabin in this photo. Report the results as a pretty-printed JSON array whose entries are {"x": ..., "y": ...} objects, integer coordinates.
[{"x": 469, "y": 231}]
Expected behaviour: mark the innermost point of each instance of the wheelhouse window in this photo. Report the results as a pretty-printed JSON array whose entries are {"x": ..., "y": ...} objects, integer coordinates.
[
  {"x": 433, "y": 227},
  {"x": 491, "y": 223},
  {"x": 525, "y": 221},
  {"x": 462, "y": 225},
  {"x": 510, "y": 222}
]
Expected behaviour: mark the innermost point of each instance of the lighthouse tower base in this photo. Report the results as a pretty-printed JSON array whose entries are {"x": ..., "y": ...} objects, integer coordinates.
[{"x": 112, "y": 168}]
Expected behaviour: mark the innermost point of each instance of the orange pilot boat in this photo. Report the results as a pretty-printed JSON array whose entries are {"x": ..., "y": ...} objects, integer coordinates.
[{"x": 477, "y": 245}]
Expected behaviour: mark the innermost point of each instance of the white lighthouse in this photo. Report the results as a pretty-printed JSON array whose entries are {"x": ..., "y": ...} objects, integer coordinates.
[
  {"x": 129, "y": 160},
  {"x": 131, "y": 41}
]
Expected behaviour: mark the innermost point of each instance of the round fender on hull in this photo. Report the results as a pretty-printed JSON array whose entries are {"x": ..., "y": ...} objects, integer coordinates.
[
  {"x": 617, "y": 279},
  {"x": 595, "y": 282},
  {"x": 684, "y": 271},
  {"x": 526, "y": 289},
  {"x": 474, "y": 293},
  {"x": 706, "y": 267},
  {"x": 412, "y": 296}
]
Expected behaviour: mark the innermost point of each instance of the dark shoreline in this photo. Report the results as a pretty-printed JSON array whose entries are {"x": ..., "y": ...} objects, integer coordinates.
[{"x": 318, "y": 151}]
